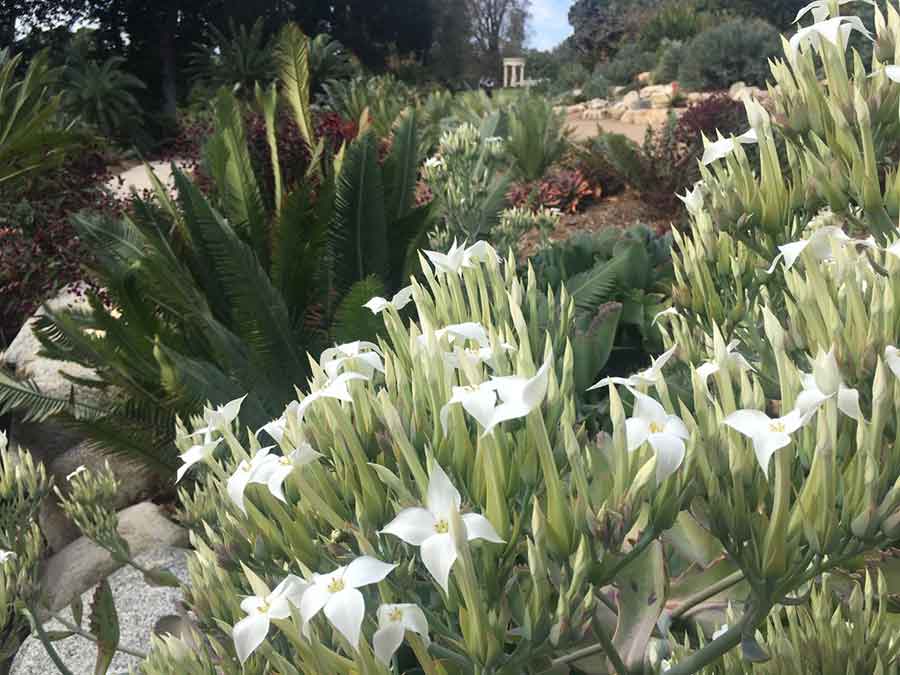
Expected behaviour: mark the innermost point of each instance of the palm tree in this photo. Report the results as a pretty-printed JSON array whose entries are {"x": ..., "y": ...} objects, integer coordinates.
[{"x": 101, "y": 95}]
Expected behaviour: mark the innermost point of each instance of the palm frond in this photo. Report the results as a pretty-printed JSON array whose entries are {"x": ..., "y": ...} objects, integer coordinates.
[{"x": 26, "y": 399}]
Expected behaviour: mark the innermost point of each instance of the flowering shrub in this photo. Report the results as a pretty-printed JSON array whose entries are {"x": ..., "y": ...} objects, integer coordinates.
[
  {"x": 465, "y": 179},
  {"x": 434, "y": 503}
]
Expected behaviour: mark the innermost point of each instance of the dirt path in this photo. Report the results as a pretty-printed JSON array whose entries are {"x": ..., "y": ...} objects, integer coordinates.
[
  {"x": 584, "y": 129},
  {"x": 136, "y": 177}
]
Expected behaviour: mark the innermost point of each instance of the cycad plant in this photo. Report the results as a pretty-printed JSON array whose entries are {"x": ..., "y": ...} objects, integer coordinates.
[
  {"x": 30, "y": 139},
  {"x": 237, "y": 58},
  {"x": 211, "y": 295},
  {"x": 381, "y": 98},
  {"x": 101, "y": 95},
  {"x": 536, "y": 138}
]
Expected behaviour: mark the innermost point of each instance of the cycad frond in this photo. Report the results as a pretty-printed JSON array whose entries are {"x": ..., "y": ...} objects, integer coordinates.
[
  {"x": 352, "y": 321},
  {"x": 359, "y": 234}
]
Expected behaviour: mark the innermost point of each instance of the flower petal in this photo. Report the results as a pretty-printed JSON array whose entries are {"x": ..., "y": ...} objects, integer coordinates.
[
  {"x": 442, "y": 496},
  {"x": 649, "y": 409},
  {"x": 276, "y": 477},
  {"x": 345, "y": 610},
  {"x": 237, "y": 483},
  {"x": 765, "y": 445},
  {"x": 314, "y": 599},
  {"x": 636, "y": 432},
  {"x": 479, "y": 527},
  {"x": 387, "y": 640},
  {"x": 413, "y": 525},
  {"x": 892, "y": 359},
  {"x": 249, "y": 633},
  {"x": 414, "y": 620},
  {"x": 438, "y": 555},
  {"x": 675, "y": 427},
  {"x": 376, "y": 305},
  {"x": 747, "y": 422},
  {"x": 848, "y": 403},
  {"x": 669, "y": 454},
  {"x": 366, "y": 570}
]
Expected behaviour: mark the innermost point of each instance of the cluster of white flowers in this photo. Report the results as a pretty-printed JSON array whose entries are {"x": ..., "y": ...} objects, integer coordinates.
[{"x": 427, "y": 527}]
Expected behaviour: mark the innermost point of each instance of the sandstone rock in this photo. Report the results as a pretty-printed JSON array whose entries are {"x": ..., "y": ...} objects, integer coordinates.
[
  {"x": 632, "y": 100},
  {"x": 598, "y": 103},
  {"x": 82, "y": 564},
  {"x": 616, "y": 111},
  {"x": 649, "y": 117},
  {"x": 737, "y": 91},
  {"x": 23, "y": 360},
  {"x": 596, "y": 114},
  {"x": 617, "y": 90},
  {"x": 135, "y": 483},
  {"x": 577, "y": 108},
  {"x": 645, "y": 77},
  {"x": 660, "y": 100}
]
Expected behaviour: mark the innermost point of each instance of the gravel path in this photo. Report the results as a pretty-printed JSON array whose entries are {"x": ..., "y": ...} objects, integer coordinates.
[{"x": 138, "y": 606}]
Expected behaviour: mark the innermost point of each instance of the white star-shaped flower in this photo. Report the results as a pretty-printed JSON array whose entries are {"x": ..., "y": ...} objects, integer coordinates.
[
  {"x": 429, "y": 528},
  {"x": 337, "y": 594},
  {"x": 250, "y": 632},
  {"x": 650, "y": 376},
  {"x": 400, "y": 300},
  {"x": 767, "y": 434},
  {"x": 364, "y": 357},
  {"x": 650, "y": 423},
  {"x": 835, "y": 30},
  {"x": 393, "y": 622}
]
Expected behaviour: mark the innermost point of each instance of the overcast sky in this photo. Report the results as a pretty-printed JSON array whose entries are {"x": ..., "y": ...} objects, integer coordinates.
[{"x": 549, "y": 23}]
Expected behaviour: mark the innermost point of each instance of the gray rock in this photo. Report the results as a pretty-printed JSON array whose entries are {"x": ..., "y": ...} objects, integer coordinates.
[
  {"x": 632, "y": 100},
  {"x": 22, "y": 358},
  {"x": 135, "y": 484}
]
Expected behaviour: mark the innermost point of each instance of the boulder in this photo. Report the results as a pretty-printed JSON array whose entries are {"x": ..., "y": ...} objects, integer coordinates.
[
  {"x": 82, "y": 564},
  {"x": 632, "y": 100},
  {"x": 660, "y": 100},
  {"x": 598, "y": 104},
  {"x": 23, "y": 360},
  {"x": 577, "y": 108},
  {"x": 616, "y": 110},
  {"x": 595, "y": 114},
  {"x": 645, "y": 77},
  {"x": 135, "y": 483},
  {"x": 649, "y": 117},
  {"x": 737, "y": 91}
]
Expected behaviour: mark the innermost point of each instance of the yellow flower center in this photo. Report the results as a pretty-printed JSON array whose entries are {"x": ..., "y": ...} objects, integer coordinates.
[
  {"x": 655, "y": 428},
  {"x": 395, "y": 614},
  {"x": 442, "y": 526},
  {"x": 245, "y": 466},
  {"x": 263, "y": 608},
  {"x": 777, "y": 427},
  {"x": 286, "y": 461},
  {"x": 336, "y": 586}
]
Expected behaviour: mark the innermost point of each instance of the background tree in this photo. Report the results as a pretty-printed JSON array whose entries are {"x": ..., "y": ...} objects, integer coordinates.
[
  {"x": 600, "y": 25},
  {"x": 494, "y": 22}
]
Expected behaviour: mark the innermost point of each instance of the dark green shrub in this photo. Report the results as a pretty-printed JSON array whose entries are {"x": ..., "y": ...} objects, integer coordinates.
[
  {"x": 596, "y": 87},
  {"x": 676, "y": 20},
  {"x": 671, "y": 54},
  {"x": 627, "y": 64},
  {"x": 735, "y": 51},
  {"x": 616, "y": 278}
]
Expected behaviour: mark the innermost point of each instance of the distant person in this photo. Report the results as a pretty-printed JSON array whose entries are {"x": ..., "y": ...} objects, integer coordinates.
[{"x": 487, "y": 84}]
